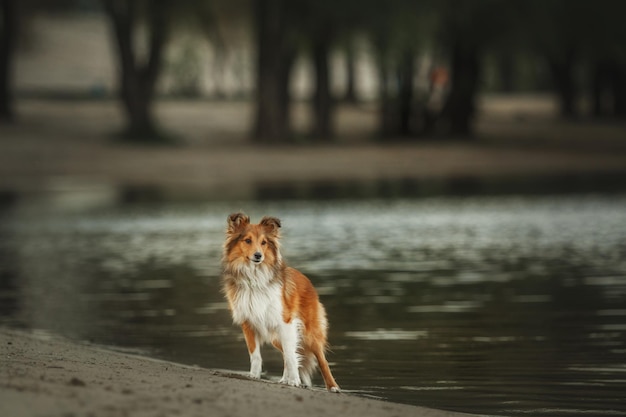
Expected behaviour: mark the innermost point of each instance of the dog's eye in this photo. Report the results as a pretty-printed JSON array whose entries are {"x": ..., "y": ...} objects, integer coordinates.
[
  {"x": 264, "y": 243},
  {"x": 248, "y": 241}
]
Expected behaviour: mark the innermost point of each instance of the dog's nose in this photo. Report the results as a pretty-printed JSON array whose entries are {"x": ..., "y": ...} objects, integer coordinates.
[{"x": 258, "y": 256}]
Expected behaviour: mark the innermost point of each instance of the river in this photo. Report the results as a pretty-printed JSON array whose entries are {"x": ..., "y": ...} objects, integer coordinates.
[{"x": 491, "y": 305}]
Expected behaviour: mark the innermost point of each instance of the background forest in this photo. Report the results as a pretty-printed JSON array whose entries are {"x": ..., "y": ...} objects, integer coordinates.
[{"x": 423, "y": 63}]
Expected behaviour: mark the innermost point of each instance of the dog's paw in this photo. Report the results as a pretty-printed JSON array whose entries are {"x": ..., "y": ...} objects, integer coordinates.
[
  {"x": 293, "y": 382},
  {"x": 334, "y": 389},
  {"x": 256, "y": 368}
]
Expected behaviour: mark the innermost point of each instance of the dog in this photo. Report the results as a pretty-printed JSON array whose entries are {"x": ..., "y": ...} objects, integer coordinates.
[{"x": 273, "y": 302}]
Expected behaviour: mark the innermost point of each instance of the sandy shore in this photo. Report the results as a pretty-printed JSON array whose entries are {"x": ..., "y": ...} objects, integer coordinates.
[{"x": 45, "y": 375}]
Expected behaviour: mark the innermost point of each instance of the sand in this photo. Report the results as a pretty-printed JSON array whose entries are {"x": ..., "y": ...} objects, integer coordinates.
[{"x": 46, "y": 375}]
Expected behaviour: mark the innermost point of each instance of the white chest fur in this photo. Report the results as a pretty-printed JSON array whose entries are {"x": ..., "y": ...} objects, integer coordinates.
[{"x": 258, "y": 301}]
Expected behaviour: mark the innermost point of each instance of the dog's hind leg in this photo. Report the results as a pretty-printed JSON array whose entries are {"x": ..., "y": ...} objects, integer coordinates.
[{"x": 331, "y": 385}]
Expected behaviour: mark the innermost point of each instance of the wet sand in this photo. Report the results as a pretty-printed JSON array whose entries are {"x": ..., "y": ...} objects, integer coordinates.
[{"x": 46, "y": 375}]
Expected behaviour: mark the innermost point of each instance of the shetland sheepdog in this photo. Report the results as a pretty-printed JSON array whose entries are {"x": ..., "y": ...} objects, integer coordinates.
[{"x": 273, "y": 303}]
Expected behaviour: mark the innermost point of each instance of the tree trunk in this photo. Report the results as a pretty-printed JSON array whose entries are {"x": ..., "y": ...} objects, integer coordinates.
[
  {"x": 460, "y": 109},
  {"x": 562, "y": 71},
  {"x": 406, "y": 71},
  {"x": 387, "y": 108},
  {"x": 8, "y": 33},
  {"x": 138, "y": 79},
  {"x": 598, "y": 81},
  {"x": 608, "y": 89},
  {"x": 506, "y": 70},
  {"x": 350, "y": 95},
  {"x": 619, "y": 90},
  {"x": 396, "y": 94},
  {"x": 322, "y": 100},
  {"x": 274, "y": 62}
]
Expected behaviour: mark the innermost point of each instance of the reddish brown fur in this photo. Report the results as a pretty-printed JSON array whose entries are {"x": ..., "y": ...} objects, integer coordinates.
[
  {"x": 299, "y": 298},
  {"x": 263, "y": 238}
]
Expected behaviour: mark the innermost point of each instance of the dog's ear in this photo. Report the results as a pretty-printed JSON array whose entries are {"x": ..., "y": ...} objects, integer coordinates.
[
  {"x": 236, "y": 222},
  {"x": 271, "y": 225}
]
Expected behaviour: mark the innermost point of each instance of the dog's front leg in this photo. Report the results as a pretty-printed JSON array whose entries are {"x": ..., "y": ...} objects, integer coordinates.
[
  {"x": 254, "y": 349},
  {"x": 290, "y": 339}
]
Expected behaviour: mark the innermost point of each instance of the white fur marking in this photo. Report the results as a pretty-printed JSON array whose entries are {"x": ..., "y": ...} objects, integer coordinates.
[
  {"x": 258, "y": 301},
  {"x": 256, "y": 361},
  {"x": 290, "y": 335}
]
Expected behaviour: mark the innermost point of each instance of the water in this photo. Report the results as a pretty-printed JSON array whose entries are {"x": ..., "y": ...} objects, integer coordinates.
[{"x": 498, "y": 306}]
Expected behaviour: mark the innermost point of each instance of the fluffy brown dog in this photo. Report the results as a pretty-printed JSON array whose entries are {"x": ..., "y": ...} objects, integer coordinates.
[{"x": 273, "y": 303}]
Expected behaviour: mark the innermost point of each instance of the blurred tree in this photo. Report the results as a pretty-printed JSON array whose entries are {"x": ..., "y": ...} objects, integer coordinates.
[
  {"x": 556, "y": 36},
  {"x": 604, "y": 46},
  {"x": 608, "y": 93},
  {"x": 211, "y": 21},
  {"x": 276, "y": 53},
  {"x": 324, "y": 24},
  {"x": 322, "y": 37},
  {"x": 283, "y": 30},
  {"x": 185, "y": 70},
  {"x": 321, "y": 22},
  {"x": 506, "y": 69},
  {"x": 139, "y": 74},
  {"x": 399, "y": 31},
  {"x": 562, "y": 66},
  {"x": 332, "y": 24},
  {"x": 8, "y": 34},
  {"x": 142, "y": 29},
  {"x": 350, "y": 48},
  {"x": 467, "y": 28}
]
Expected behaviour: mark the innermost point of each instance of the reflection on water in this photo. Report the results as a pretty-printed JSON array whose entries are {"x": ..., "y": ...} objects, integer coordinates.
[{"x": 502, "y": 306}]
